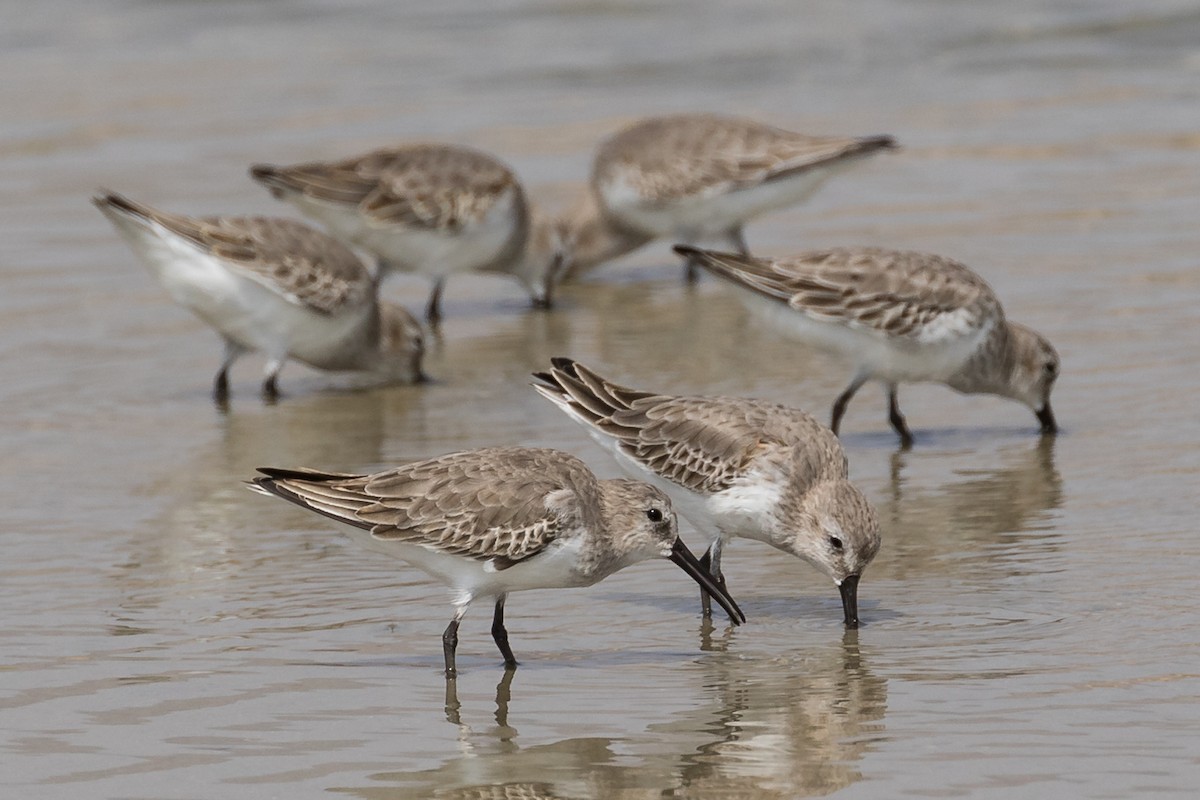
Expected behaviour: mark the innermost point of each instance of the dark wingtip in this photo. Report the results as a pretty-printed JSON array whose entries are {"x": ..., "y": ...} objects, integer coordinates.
[
  {"x": 545, "y": 380},
  {"x": 283, "y": 473},
  {"x": 881, "y": 142},
  {"x": 104, "y": 198},
  {"x": 687, "y": 250},
  {"x": 261, "y": 172},
  {"x": 565, "y": 364}
]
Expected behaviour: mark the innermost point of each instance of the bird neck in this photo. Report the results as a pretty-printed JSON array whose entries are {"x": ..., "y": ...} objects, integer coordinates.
[
  {"x": 989, "y": 369},
  {"x": 592, "y": 237}
]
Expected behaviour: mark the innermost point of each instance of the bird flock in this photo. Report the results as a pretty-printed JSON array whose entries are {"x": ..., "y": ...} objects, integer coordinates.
[{"x": 492, "y": 521}]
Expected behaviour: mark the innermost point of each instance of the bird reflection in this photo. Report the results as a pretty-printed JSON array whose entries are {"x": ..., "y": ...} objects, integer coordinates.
[
  {"x": 784, "y": 727},
  {"x": 198, "y": 542},
  {"x": 1003, "y": 508},
  {"x": 788, "y": 727},
  {"x": 503, "y": 696}
]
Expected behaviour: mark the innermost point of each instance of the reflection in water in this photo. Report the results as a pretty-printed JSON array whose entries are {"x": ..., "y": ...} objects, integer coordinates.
[
  {"x": 504, "y": 733},
  {"x": 210, "y": 533},
  {"x": 784, "y": 727},
  {"x": 789, "y": 727},
  {"x": 1001, "y": 512}
]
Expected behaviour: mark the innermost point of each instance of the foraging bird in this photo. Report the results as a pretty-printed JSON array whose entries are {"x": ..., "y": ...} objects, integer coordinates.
[
  {"x": 432, "y": 209},
  {"x": 898, "y": 317},
  {"x": 499, "y": 520},
  {"x": 734, "y": 467},
  {"x": 272, "y": 285},
  {"x": 697, "y": 177}
]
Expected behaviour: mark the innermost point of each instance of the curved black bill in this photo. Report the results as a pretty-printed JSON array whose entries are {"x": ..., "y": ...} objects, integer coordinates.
[
  {"x": 1046, "y": 417},
  {"x": 683, "y": 557},
  {"x": 849, "y": 591}
]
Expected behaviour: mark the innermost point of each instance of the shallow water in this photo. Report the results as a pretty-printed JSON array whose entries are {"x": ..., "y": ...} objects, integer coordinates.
[{"x": 1032, "y": 621}]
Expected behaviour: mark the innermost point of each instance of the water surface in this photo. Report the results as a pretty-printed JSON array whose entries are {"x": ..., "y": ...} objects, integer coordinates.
[{"x": 1032, "y": 618}]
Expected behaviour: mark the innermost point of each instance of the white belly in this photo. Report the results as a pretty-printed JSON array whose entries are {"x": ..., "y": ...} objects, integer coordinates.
[
  {"x": 871, "y": 353},
  {"x": 242, "y": 309},
  {"x": 432, "y": 253},
  {"x": 698, "y": 217},
  {"x": 469, "y": 578}
]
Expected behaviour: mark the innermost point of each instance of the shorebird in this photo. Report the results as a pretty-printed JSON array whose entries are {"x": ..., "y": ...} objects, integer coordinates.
[
  {"x": 499, "y": 520},
  {"x": 734, "y": 467},
  {"x": 898, "y": 317},
  {"x": 698, "y": 177},
  {"x": 273, "y": 285},
  {"x": 432, "y": 209}
]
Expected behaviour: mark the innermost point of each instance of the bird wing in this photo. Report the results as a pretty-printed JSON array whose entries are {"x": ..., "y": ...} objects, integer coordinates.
[
  {"x": 424, "y": 186},
  {"x": 300, "y": 264},
  {"x": 669, "y": 158},
  {"x": 502, "y": 505},
  {"x": 701, "y": 443},
  {"x": 891, "y": 293}
]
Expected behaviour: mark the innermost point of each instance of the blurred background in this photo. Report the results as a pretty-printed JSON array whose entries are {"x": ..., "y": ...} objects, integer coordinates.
[{"x": 1032, "y": 621}]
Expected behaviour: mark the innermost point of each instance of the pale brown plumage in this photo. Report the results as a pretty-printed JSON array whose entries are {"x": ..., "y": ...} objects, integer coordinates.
[
  {"x": 696, "y": 177},
  {"x": 272, "y": 285},
  {"x": 898, "y": 293},
  {"x": 466, "y": 504},
  {"x": 492, "y": 521},
  {"x": 734, "y": 467},
  {"x": 687, "y": 155},
  {"x": 423, "y": 185},
  {"x": 899, "y": 316},
  {"x": 303, "y": 265},
  {"x": 701, "y": 443},
  {"x": 431, "y": 208}
]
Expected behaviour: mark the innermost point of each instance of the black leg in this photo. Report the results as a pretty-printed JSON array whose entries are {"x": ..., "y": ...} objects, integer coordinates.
[
  {"x": 270, "y": 388},
  {"x": 710, "y": 562},
  {"x": 433, "y": 310},
  {"x": 449, "y": 645},
  {"x": 705, "y": 600},
  {"x": 897, "y": 419},
  {"x": 501, "y": 635},
  {"x": 221, "y": 387},
  {"x": 839, "y": 405},
  {"x": 221, "y": 382}
]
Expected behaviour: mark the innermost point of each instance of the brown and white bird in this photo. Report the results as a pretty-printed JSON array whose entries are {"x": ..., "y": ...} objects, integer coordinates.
[
  {"x": 897, "y": 317},
  {"x": 275, "y": 286},
  {"x": 499, "y": 520},
  {"x": 735, "y": 467},
  {"x": 698, "y": 177},
  {"x": 432, "y": 209}
]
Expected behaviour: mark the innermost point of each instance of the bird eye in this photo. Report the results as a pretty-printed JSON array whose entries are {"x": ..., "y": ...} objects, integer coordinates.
[
  {"x": 654, "y": 515},
  {"x": 1051, "y": 368},
  {"x": 836, "y": 543}
]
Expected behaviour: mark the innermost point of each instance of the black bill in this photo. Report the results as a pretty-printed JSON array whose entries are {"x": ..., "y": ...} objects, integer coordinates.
[
  {"x": 683, "y": 557},
  {"x": 1046, "y": 417},
  {"x": 849, "y": 591}
]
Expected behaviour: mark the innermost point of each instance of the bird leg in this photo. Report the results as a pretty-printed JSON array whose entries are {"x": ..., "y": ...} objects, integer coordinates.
[
  {"x": 711, "y": 563},
  {"x": 221, "y": 387},
  {"x": 843, "y": 400},
  {"x": 450, "y": 642},
  {"x": 433, "y": 309},
  {"x": 897, "y": 419},
  {"x": 500, "y": 634},
  {"x": 270, "y": 387},
  {"x": 233, "y": 351}
]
